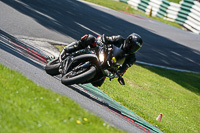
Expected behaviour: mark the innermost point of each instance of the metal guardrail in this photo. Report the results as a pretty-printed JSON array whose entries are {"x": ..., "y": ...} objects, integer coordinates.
[{"x": 186, "y": 13}]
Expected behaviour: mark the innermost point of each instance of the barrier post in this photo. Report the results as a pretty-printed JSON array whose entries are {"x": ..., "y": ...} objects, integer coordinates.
[{"x": 150, "y": 12}]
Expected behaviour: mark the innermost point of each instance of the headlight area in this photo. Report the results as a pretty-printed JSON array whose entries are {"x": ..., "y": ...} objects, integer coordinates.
[{"x": 101, "y": 57}]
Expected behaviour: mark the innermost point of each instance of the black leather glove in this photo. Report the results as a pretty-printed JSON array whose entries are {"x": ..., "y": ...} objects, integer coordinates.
[{"x": 86, "y": 40}]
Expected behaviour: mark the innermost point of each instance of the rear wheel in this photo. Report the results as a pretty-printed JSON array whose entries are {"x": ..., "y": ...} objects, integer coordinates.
[
  {"x": 52, "y": 68},
  {"x": 77, "y": 75}
]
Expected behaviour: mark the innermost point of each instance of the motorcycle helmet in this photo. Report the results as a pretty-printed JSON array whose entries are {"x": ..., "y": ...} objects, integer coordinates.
[{"x": 132, "y": 43}]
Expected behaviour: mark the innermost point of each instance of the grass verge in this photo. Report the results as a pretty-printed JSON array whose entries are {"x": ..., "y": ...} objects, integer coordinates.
[
  {"x": 27, "y": 107},
  {"x": 150, "y": 91},
  {"x": 175, "y": 1},
  {"x": 120, "y": 6}
]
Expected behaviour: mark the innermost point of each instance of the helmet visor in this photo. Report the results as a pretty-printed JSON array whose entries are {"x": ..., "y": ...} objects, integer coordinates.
[
  {"x": 131, "y": 47},
  {"x": 135, "y": 48},
  {"x": 127, "y": 44}
]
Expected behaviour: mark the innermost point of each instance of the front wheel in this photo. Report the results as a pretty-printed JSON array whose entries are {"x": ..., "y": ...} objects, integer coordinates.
[
  {"x": 80, "y": 76},
  {"x": 52, "y": 68}
]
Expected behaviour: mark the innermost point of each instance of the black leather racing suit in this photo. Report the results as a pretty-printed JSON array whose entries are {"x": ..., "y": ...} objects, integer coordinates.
[{"x": 91, "y": 41}]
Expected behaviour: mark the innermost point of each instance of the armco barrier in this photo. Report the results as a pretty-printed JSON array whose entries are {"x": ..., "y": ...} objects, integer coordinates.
[{"x": 186, "y": 13}]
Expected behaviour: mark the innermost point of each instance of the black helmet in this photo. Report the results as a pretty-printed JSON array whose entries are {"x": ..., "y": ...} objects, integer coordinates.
[{"x": 132, "y": 43}]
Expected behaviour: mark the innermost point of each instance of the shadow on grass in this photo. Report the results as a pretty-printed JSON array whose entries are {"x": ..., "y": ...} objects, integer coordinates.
[{"x": 190, "y": 81}]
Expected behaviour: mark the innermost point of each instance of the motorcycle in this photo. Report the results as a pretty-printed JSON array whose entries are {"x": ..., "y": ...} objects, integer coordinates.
[{"x": 89, "y": 65}]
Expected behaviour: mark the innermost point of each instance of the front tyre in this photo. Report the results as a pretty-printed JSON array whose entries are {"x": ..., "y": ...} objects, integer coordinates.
[
  {"x": 77, "y": 77},
  {"x": 52, "y": 68}
]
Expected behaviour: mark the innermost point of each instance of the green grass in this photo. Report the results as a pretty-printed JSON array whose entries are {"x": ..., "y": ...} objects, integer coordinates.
[
  {"x": 27, "y": 107},
  {"x": 150, "y": 91},
  {"x": 120, "y": 6},
  {"x": 60, "y": 47},
  {"x": 175, "y": 1}
]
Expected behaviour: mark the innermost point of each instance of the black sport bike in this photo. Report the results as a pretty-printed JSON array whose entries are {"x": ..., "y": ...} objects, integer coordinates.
[{"x": 88, "y": 65}]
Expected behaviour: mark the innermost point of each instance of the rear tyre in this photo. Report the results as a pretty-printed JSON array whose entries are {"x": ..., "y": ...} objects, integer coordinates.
[
  {"x": 78, "y": 77},
  {"x": 52, "y": 68}
]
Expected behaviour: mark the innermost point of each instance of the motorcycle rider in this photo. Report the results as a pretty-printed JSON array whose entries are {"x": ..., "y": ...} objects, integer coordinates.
[{"x": 130, "y": 45}]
